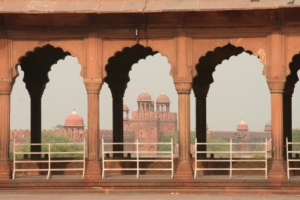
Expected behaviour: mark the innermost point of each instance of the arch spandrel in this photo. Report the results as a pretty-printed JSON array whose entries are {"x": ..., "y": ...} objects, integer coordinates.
[
  {"x": 292, "y": 48},
  {"x": 258, "y": 46},
  {"x": 110, "y": 47},
  {"x": 21, "y": 47},
  {"x": 165, "y": 47},
  {"x": 76, "y": 47}
]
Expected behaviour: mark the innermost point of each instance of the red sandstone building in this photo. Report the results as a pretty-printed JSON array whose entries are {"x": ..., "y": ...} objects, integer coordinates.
[
  {"x": 108, "y": 37},
  {"x": 149, "y": 124}
]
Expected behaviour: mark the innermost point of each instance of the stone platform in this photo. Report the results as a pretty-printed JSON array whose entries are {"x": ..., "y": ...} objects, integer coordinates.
[{"x": 152, "y": 183}]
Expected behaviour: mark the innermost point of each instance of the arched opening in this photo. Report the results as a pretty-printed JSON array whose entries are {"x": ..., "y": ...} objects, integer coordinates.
[
  {"x": 36, "y": 65},
  {"x": 117, "y": 69},
  {"x": 135, "y": 69},
  {"x": 236, "y": 75},
  {"x": 290, "y": 119}
]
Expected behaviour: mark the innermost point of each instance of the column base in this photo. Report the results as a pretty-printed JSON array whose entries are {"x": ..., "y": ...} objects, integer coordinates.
[
  {"x": 184, "y": 170},
  {"x": 5, "y": 173},
  {"x": 93, "y": 170},
  {"x": 277, "y": 170}
]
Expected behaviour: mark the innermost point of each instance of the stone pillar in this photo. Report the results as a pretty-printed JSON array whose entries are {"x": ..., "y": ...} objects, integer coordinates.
[
  {"x": 287, "y": 122},
  {"x": 93, "y": 169},
  {"x": 287, "y": 116},
  {"x": 200, "y": 94},
  {"x": 36, "y": 123},
  {"x": 117, "y": 123},
  {"x": 35, "y": 92},
  {"x": 5, "y": 90},
  {"x": 277, "y": 170},
  {"x": 117, "y": 91},
  {"x": 184, "y": 168}
]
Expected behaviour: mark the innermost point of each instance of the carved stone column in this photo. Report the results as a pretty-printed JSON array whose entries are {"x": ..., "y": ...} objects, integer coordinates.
[
  {"x": 184, "y": 168},
  {"x": 5, "y": 90},
  {"x": 200, "y": 94},
  {"x": 117, "y": 91},
  {"x": 287, "y": 118},
  {"x": 277, "y": 170},
  {"x": 35, "y": 119},
  {"x": 93, "y": 169}
]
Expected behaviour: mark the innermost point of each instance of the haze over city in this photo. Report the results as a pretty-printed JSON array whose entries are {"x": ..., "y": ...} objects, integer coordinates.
[{"x": 239, "y": 92}]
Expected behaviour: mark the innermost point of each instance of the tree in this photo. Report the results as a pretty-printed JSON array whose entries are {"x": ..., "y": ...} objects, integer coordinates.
[
  {"x": 167, "y": 138},
  {"x": 175, "y": 136},
  {"x": 58, "y": 127},
  {"x": 296, "y": 138},
  {"x": 218, "y": 147},
  {"x": 56, "y": 147}
]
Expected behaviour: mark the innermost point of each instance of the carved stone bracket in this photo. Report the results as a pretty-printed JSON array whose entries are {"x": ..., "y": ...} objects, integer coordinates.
[
  {"x": 183, "y": 87},
  {"x": 93, "y": 86},
  {"x": 5, "y": 86}
]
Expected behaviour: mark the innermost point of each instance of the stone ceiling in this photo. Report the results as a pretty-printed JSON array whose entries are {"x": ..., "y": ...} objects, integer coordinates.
[{"x": 136, "y": 6}]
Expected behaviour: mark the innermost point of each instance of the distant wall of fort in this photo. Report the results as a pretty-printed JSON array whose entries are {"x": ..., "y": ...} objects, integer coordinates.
[{"x": 129, "y": 136}]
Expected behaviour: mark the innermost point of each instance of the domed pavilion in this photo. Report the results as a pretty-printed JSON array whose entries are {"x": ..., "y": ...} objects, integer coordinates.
[{"x": 74, "y": 121}]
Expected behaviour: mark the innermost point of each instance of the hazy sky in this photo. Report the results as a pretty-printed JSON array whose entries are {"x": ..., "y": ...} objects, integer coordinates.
[{"x": 239, "y": 92}]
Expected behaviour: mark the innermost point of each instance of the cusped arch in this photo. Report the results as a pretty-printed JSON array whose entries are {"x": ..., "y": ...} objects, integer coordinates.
[
  {"x": 207, "y": 64},
  {"x": 43, "y": 56},
  {"x": 292, "y": 78},
  {"x": 37, "y": 63},
  {"x": 119, "y": 65}
]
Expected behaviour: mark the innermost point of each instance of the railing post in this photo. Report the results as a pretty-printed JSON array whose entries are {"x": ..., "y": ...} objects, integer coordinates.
[
  {"x": 266, "y": 159},
  {"x": 287, "y": 158},
  {"x": 14, "y": 172},
  {"x": 172, "y": 158},
  {"x": 49, "y": 161},
  {"x": 230, "y": 171},
  {"x": 196, "y": 162},
  {"x": 103, "y": 158},
  {"x": 83, "y": 172},
  {"x": 137, "y": 159}
]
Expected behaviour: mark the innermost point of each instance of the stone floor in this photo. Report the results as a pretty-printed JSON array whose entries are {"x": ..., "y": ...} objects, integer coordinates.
[{"x": 129, "y": 195}]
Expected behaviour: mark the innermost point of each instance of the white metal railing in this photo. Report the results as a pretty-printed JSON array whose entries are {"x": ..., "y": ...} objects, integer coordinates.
[
  {"x": 231, "y": 159},
  {"x": 290, "y": 159},
  {"x": 138, "y": 157},
  {"x": 50, "y": 159}
]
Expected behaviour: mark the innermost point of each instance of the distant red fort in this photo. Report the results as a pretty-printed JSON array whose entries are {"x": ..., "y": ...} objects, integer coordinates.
[{"x": 148, "y": 125}]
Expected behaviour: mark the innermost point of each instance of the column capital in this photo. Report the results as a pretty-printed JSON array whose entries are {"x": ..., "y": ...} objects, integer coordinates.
[
  {"x": 201, "y": 90},
  {"x": 183, "y": 87},
  {"x": 276, "y": 85},
  {"x": 6, "y": 86},
  {"x": 93, "y": 86}
]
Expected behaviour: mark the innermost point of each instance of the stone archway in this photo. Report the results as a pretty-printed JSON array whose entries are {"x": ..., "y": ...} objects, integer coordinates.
[
  {"x": 117, "y": 69},
  {"x": 288, "y": 92},
  {"x": 36, "y": 64},
  {"x": 205, "y": 67}
]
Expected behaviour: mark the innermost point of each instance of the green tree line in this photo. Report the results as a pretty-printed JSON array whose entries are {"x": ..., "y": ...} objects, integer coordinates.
[
  {"x": 175, "y": 136},
  {"x": 53, "y": 138}
]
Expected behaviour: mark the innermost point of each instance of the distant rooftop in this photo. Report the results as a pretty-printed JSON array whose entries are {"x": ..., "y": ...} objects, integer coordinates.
[{"x": 136, "y": 6}]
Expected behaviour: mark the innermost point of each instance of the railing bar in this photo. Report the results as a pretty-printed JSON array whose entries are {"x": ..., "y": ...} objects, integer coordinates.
[
  {"x": 32, "y": 161},
  {"x": 119, "y": 160},
  {"x": 227, "y": 143},
  {"x": 203, "y": 169},
  {"x": 214, "y": 160}
]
